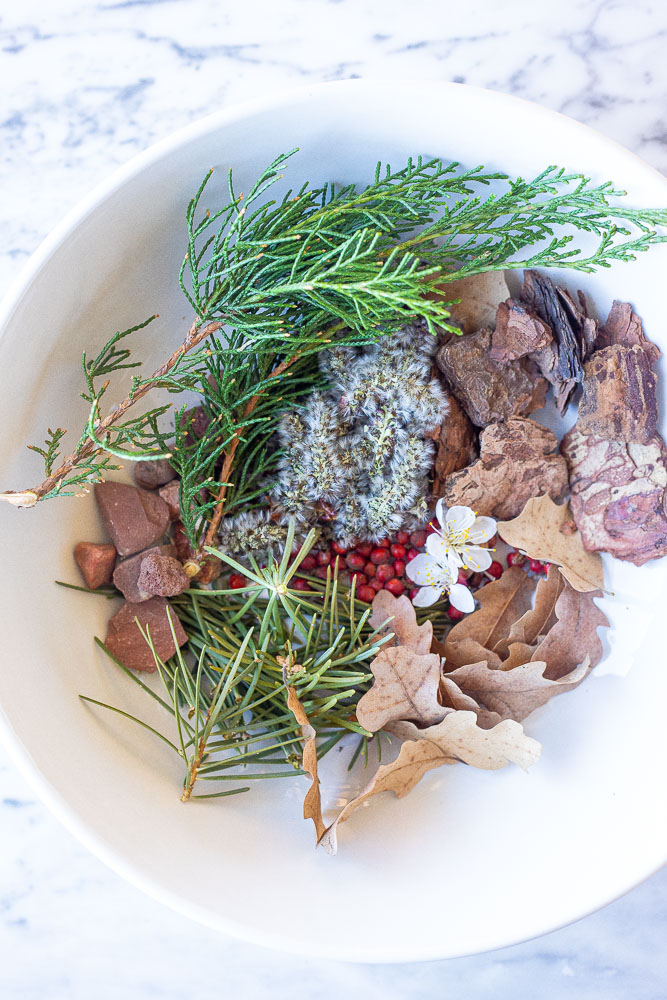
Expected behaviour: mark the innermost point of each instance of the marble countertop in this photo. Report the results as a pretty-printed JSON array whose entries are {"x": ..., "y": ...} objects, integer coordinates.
[{"x": 83, "y": 87}]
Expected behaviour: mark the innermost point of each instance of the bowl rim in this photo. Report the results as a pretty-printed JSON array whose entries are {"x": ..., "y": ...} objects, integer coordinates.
[{"x": 19, "y": 752}]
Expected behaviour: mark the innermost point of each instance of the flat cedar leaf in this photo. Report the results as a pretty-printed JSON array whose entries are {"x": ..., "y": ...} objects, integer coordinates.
[
  {"x": 399, "y": 777},
  {"x": 514, "y": 694},
  {"x": 480, "y": 295},
  {"x": 538, "y": 532},
  {"x": 540, "y": 618},
  {"x": 459, "y": 736},
  {"x": 502, "y": 603},
  {"x": 405, "y": 687},
  {"x": 397, "y": 615},
  {"x": 312, "y": 804},
  {"x": 574, "y": 636}
]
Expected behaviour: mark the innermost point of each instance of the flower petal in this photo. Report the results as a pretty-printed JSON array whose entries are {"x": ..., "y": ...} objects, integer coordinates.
[
  {"x": 426, "y": 596},
  {"x": 475, "y": 558},
  {"x": 461, "y": 598},
  {"x": 425, "y": 571},
  {"x": 441, "y": 513},
  {"x": 441, "y": 549},
  {"x": 459, "y": 519},
  {"x": 483, "y": 529}
]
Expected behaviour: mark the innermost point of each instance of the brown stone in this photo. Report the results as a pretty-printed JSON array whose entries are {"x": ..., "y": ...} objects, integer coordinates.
[
  {"x": 619, "y": 395},
  {"x": 619, "y": 495},
  {"x": 486, "y": 390},
  {"x": 125, "y": 641},
  {"x": 171, "y": 496},
  {"x": 134, "y": 518},
  {"x": 127, "y": 572},
  {"x": 456, "y": 441},
  {"x": 162, "y": 575},
  {"x": 518, "y": 460},
  {"x": 150, "y": 475},
  {"x": 96, "y": 562},
  {"x": 518, "y": 332}
]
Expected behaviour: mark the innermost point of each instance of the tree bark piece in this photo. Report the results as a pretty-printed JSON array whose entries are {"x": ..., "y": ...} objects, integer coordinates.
[
  {"x": 456, "y": 441},
  {"x": 518, "y": 332},
  {"x": 619, "y": 395}
]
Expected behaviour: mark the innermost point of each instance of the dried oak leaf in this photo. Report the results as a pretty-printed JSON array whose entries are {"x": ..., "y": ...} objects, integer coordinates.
[
  {"x": 486, "y": 390},
  {"x": 514, "y": 694},
  {"x": 456, "y": 443},
  {"x": 405, "y": 687},
  {"x": 518, "y": 460},
  {"x": 457, "y": 738},
  {"x": 397, "y": 615},
  {"x": 574, "y": 636},
  {"x": 624, "y": 326},
  {"x": 537, "y": 532},
  {"x": 453, "y": 697},
  {"x": 518, "y": 332},
  {"x": 479, "y": 295},
  {"x": 619, "y": 399},
  {"x": 399, "y": 777},
  {"x": 619, "y": 495},
  {"x": 312, "y": 803},
  {"x": 539, "y": 619},
  {"x": 574, "y": 333},
  {"x": 502, "y": 602}
]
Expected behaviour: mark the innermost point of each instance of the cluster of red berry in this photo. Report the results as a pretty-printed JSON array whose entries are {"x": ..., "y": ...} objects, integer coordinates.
[{"x": 516, "y": 558}]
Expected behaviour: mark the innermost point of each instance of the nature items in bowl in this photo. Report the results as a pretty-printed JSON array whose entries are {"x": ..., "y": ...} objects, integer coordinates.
[{"x": 307, "y": 554}]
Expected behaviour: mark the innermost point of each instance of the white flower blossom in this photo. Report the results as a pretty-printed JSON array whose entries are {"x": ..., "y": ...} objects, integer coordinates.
[
  {"x": 460, "y": 537},
  {"x": 435, "y": 578}
]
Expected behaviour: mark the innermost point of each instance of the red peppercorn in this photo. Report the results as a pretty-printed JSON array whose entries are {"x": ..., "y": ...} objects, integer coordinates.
[
  {"x": 323, "y": 557},
  {"x": 308, "y": 562},
  {"x": 379, "y": 556},
  {"x": 495, "y": 570},
  {"x": 298, "y": 583},
  {"x": 322, "y": 572},
  {"x": 398, "y": 551},
  {"x": 384, "y": 572},
  {"x": 376, "y": 584},
  {"x": 515, "y": 559},
  {"x": 455, "y": 614},
  {"x": 385, "y": 543},
  {"x": 355, "y": 561},
  {"x": 236, "y": 581},
  {"x": 399, "y": 567},
  {"x": 335, "y": 560},
  {"x": 402, "y": 537},
  {"x": 394, "y": 587},
  {"x": 418, "y": 539},
  {"x": 545, "y": 568},
  {"x": 366, "y": 594},
  {"x": 413, "y": 593},
  {"x": 360, "y": 579},
  {"x": 535, "y": 566},
  {"x": 365, "y": 548},
  {"x": 338, "y": 548},
  {"x": 412, "y": 554},
  {"x": 370, "y": 569}
]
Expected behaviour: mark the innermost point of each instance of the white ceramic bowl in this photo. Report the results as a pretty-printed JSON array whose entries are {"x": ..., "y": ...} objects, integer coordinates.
[{"x": 470, "y": 860}]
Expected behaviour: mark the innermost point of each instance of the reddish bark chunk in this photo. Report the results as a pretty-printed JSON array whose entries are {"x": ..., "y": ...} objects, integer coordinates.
[
  {"x": 518, "y": 332},
  {"x": 620, "y": 395},
  {"x": 125, "y": 641},
  {"x": 623, "y": 326},
  {"x": 456, "y": 441},
  {"x": 96, "y": 562},
  {"x": 134, "y": 518},
  {"x": 619, "y": 495}
]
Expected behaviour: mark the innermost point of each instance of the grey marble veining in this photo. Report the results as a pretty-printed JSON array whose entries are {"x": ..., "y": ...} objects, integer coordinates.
[{"x": 83, "y": 87}]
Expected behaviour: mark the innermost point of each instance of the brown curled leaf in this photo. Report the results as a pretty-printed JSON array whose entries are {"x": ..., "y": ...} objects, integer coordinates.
[
  {"x": 397, "y": 615},
  {"x": 312, "y": 803},
  {"x": 405, "y": 687}
]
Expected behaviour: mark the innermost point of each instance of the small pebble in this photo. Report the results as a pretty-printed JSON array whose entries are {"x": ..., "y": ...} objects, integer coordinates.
[
  {"x": 171, "y": 496},
  {"x": 134, "y": 518},
  {"x": 127, "y": 574},
  {"x": 162, "y": 575},
  {"x": 150, "y": 475},
  {"x": 125, "y": 641},
  {"x": 96, "y": 563}
]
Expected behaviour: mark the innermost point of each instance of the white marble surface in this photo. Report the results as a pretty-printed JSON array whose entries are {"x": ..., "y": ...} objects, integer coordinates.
[{"x": 84, "y": 86}]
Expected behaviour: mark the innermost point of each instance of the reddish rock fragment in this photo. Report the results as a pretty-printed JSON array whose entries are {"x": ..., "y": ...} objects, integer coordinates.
[
  {"x": 162, "y": 575},
  {"x": 127, "y": 572},
  {"x": 125, "y": 641},
  {"x": 184, "y": 550},
  {"x": 623, "y": 326},
  {"x": 196, "y": 422},
  {"x": 486, "y": 390},
  {"x": 96, "y": 562},
  {"x": 518, "y": 332},
  {"x": 150, "y": 475},
  {"x": 171, "y": 496},
  {"x": 518, "y": 460},
  {"x": 456, "y": 441},
  {"x": 134, "y": 518},
  {"x": 619, "y": 495},
  {"x": 619, "y": 395}
]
